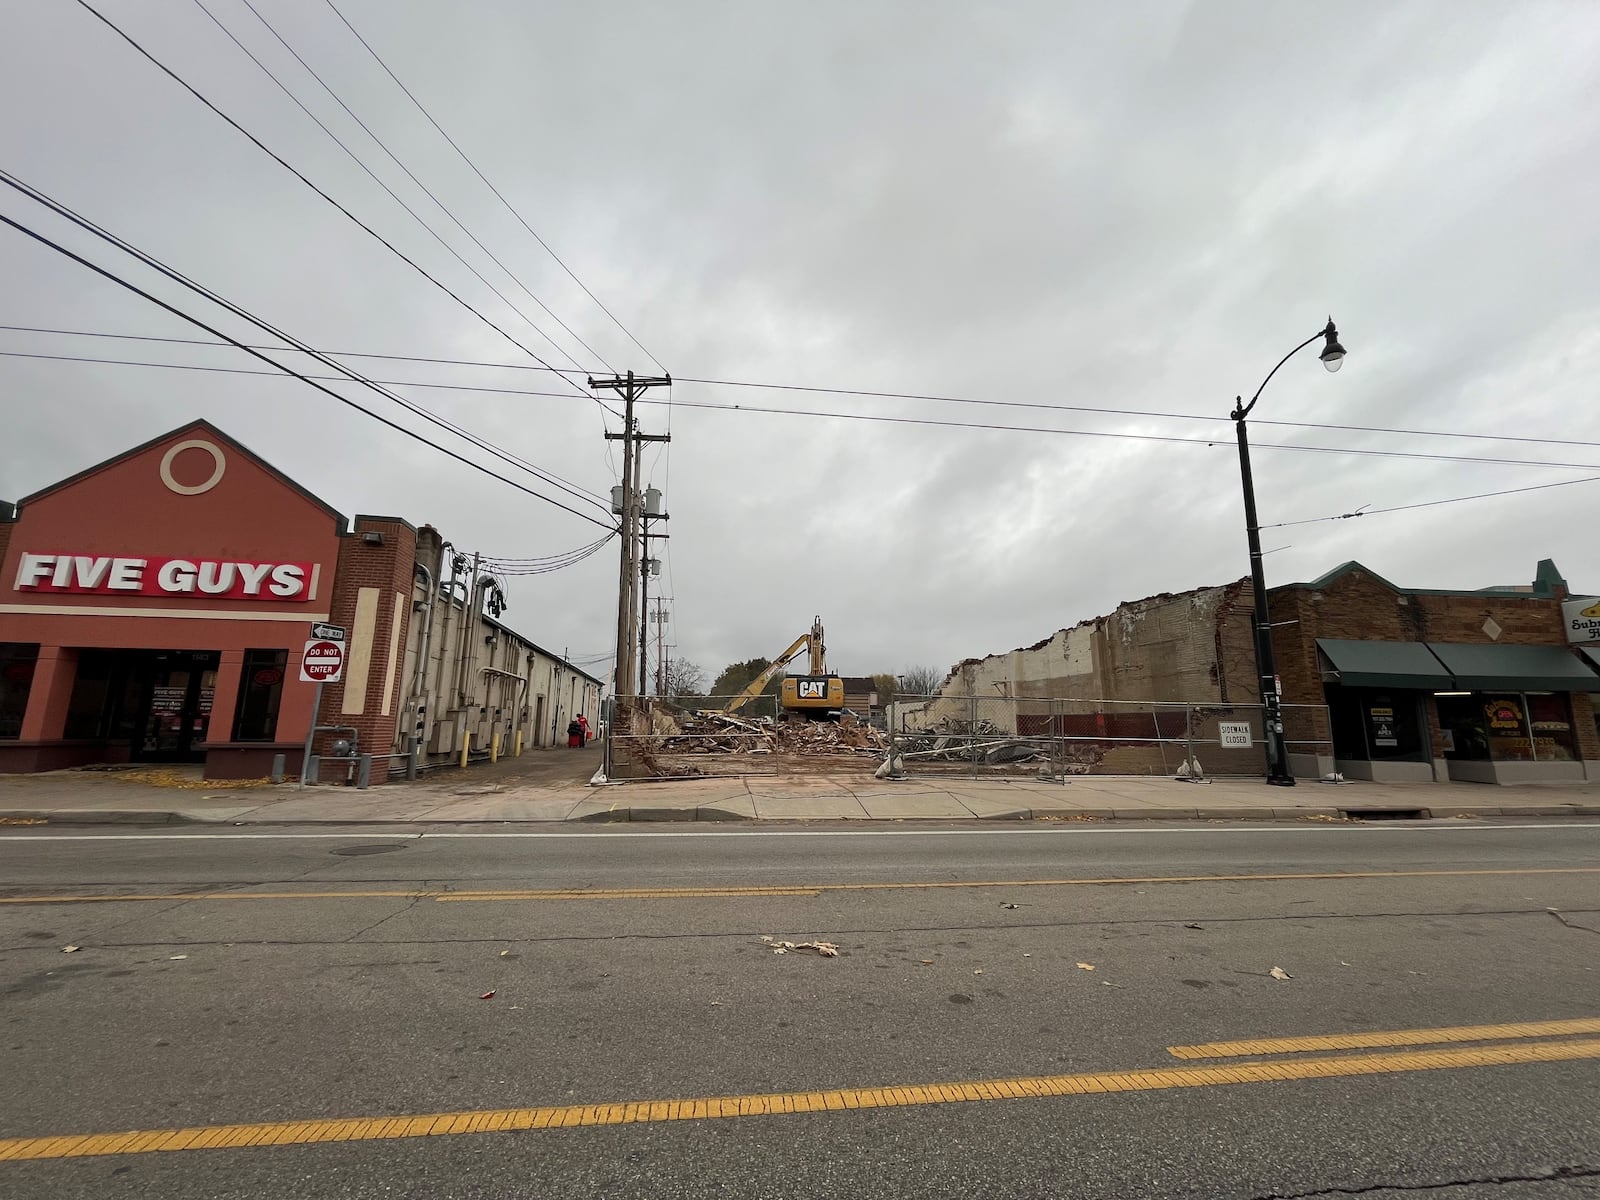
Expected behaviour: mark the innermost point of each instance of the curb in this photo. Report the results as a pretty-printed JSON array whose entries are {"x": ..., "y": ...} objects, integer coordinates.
[{"x": 713, "y": 812}]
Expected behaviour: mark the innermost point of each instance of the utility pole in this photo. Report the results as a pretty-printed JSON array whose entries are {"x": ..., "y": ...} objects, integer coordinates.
[
  {"x": 660, "y": 618},
  {"x": 649, "y": 567},
  {"x": 630, "y": 387}
]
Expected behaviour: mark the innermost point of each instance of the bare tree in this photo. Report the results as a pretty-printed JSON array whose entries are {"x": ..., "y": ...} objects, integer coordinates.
[
  {"x": 684, "y": 678},
  {"x": 920, "y": 681}
]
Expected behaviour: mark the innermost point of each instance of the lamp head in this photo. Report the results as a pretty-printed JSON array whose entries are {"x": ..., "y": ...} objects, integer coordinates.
[{"x": 1332, "y": 355}]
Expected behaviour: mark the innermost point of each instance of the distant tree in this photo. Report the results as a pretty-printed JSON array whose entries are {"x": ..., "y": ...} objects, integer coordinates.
[
  {"x": 920, "y": 681},
  {"x": 886, "y": 685},
  {"x": 736, "y": 677},
  {"x": 684, "y": 678}
]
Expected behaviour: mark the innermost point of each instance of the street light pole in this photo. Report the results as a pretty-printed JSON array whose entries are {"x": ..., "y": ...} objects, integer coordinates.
[{"x": 1266, "y": 665}]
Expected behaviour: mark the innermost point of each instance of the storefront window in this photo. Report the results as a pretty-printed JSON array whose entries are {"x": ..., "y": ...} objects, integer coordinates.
[
  {"x": 1551, "y": 716},
  {"x": 17, "y": 661},
  {"x": 260, "y": 691},
  {"x": 89, "y": 710},
  {"x": 1374, "y": 725},
  {"x": 1508, "y": 727}
]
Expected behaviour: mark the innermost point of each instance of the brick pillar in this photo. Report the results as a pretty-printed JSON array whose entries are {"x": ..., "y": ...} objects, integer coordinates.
[
  {"x": 371, "y": 598},
  {"x": 1586, "y": 727}
]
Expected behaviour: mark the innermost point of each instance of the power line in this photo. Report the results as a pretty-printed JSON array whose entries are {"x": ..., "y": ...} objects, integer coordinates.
[
  {"x": 1367, "y": 452},
  {"x": 444, "y": 208},
  {"x": 303, "y": 179},
  {"x": 508, "y": 206},
  {"x": 1138, "y": 437},
  {"x": 193, "y": 285},
  {"x": 1020, "y": 404},
  {"x": 117, "y": 279},
  {"x": 1364, "y": 511}
]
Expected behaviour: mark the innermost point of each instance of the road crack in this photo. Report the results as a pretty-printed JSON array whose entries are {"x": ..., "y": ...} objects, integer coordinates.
[
  {"x": 1557, "y": 914},
  {"x": 1553, "y": 1175}
]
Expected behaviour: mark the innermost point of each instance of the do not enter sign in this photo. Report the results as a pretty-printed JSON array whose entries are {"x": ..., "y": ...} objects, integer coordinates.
[{"x": 322, "y": 662}]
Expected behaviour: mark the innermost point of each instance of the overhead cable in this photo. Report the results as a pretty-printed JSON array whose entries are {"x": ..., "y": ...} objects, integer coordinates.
[
  {"x": 193, "y": 285},
  {"x": 942, "y": 399},
  {"x": 287, "y": 370},
  {"x": 281, "y": 161},
  {"x": 497, "y": 193}
]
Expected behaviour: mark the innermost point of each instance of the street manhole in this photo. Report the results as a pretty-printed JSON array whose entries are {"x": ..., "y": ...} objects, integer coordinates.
[{"x": 358, "y": 851}]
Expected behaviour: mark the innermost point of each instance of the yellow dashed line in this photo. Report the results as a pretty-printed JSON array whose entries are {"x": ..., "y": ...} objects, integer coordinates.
[
  {"x": 651, "y": 1111},
  {"x": 1393, "y": 1037},
  {"x": 509, "y": 896}
]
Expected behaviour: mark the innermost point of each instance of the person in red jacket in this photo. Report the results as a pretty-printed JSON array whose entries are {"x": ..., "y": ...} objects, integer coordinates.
[{"x": 583, "y": 723}]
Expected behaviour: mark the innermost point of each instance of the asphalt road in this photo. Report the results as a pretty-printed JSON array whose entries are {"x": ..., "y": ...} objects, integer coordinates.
[{"x": 321, "y": 978}]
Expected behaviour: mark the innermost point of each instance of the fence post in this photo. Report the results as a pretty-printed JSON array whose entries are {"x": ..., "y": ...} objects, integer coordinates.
[
  {"x": 466, "y": 746},
  {"x": 972, "y": 730}
]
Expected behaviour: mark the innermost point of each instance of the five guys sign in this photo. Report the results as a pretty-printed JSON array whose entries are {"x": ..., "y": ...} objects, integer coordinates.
[{"x": 106, "y": 576}]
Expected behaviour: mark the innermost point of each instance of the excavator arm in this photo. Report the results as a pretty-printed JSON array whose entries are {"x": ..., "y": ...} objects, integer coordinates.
[{"x": 753, "y": 689}]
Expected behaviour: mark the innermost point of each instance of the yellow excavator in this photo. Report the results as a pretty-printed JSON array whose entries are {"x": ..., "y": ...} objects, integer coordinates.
[{"x": 815, "y": 695}]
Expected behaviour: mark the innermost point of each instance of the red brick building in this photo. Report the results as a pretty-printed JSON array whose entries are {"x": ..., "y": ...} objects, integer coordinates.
[{"x": 155, "y": 607}]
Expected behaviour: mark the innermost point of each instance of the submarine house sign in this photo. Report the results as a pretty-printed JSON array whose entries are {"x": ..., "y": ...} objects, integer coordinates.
[{"x": 83, "y": 574}]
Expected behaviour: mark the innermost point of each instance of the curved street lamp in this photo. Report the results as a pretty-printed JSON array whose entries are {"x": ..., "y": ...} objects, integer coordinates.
[{"x": 1278, "y": 772}]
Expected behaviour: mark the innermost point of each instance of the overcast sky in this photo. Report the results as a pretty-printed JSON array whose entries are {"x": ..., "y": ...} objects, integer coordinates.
[{"x": 1128, "y": 206}]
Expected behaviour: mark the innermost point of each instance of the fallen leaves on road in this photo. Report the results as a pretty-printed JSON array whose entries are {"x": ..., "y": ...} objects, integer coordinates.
[
  {"x": 489, "y": 995},
  {"x": 1194, "y": 926},
  {"x": 1008, "y": 904},
  {"x": 1279, "y": 973},
  {"x": 1085, "y": 966},
  {"x": 176, "y": 957},
  {"x": 927, "y": 962},
  {"x": 70, "y": 949}
]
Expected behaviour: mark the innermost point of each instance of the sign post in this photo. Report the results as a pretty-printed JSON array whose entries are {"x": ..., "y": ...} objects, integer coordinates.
[{"x": 321, "y": 662}]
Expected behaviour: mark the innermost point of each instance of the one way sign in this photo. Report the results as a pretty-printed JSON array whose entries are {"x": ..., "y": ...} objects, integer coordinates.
[{"x": 328, "y": 633}]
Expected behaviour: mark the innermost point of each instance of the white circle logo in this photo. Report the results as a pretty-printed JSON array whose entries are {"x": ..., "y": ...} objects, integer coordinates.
[{"x": 198, "y": 489}]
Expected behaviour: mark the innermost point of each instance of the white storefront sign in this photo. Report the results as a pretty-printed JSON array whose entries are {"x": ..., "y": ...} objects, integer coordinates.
[
  {"x": 1582, "y": 619},
  {"x": 88, "y": 574}
]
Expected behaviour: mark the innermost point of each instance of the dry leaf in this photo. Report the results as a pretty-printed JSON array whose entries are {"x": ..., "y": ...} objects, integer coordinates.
[
  {"x": 978, "y": 972},
  {"x": 1108, "y": 983},
  {"x": 503, "y": 953},
  {"x": 1027, "y": 956},
  {"x": 927, "y": 962},
  {"x": 176, "y": 957},
  {"x": 1085, "y": 966},
  {"x": 1194, "y": 926},
  {"x": 70, "y": 949},
  {"x": 1279, "y": 973},
  {"x": 489, "y": 995}
]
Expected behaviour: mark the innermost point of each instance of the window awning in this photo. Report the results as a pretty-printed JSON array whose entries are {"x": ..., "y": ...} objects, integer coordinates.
[
  {"x": 1487, "y": 668},
  {"x": 1385, "y": 664},
  {"x": 1592, "y": 653}
]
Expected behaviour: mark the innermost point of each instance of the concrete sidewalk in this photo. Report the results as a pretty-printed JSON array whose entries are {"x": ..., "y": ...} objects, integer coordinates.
[{"x": 478, "y": 796}]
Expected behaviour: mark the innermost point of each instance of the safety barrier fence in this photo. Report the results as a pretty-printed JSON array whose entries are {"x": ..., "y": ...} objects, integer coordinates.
[{"x": 979, "y": 736}]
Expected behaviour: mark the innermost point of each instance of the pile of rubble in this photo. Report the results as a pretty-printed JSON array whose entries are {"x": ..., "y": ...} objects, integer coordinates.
[{"x": 665, "y": 739}]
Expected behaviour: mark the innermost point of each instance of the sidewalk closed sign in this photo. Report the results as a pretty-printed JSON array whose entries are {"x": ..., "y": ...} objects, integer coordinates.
[{"x": 1235, "y": 733}]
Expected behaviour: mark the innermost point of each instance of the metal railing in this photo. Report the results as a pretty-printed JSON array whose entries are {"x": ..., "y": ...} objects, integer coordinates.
[{"x": 1043, "y": 737}]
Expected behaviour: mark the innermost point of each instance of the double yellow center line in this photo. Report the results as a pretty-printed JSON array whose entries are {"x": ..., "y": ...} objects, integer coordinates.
[{"x": 567, "y": 1116}]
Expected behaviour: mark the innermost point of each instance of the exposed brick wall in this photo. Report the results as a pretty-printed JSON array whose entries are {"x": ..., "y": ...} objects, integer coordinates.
[{"x": 389, "y": 569}]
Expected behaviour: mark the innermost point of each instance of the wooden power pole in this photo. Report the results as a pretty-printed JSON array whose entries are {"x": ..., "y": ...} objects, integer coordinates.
[{"x": 630, "y": 387}]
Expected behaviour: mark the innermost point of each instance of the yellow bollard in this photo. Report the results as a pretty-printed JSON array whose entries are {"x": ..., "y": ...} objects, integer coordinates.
[
  {"x": 518, "y": 753},
  {"x": 494, "y": 747},
  {"x": 466, "y": 744}
]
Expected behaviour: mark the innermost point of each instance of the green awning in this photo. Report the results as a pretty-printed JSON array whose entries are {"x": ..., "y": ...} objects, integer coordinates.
[
  {"x": 1385, "y": 664},
  {"x": 1488, "y": 668},
  {"x": 1593, "y": 655}
]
